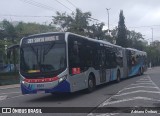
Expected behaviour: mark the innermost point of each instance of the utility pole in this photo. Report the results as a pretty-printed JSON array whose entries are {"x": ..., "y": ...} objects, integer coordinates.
[
  {"x": 152, "y": 35},
  {"x": 108, "y": 17}
]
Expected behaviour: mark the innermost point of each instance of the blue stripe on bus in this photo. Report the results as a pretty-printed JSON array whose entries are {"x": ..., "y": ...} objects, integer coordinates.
[
  {"x": 61, "y": 87},
  {"x": 135, "y": 69}
]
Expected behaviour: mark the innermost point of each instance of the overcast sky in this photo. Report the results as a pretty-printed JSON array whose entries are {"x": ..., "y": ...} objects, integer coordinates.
[{"x": 140, "y": 15}]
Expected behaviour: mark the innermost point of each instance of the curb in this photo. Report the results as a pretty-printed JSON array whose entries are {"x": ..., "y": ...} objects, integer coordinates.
[{"x": 9, "y": 86}]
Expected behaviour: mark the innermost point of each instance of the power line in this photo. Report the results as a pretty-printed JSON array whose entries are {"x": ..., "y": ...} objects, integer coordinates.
[
  {"x": 64, "y": 5},
  {"x": 145, "y": 26},
  {"x": 71, "y": 3},
  {"x": 40, "y": 5},
  {"x": 24, "y": 16}
]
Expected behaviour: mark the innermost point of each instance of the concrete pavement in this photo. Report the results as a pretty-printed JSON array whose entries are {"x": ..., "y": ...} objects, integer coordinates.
[{"x": 9, "y": 86}]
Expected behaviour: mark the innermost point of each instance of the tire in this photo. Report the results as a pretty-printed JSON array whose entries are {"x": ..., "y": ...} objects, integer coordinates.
[
  {"x": 91, "y": 84},
  {"x": 118, "y": 76}
]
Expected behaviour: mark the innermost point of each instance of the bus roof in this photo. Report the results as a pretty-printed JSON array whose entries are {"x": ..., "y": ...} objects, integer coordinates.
[
  {"x": 138, "y": 52},
  {"x": 95, "y": 40}
]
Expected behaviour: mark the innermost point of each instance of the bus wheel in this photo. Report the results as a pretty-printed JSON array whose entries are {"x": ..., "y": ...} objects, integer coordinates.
[
  {"x": 91, "y": 84},
  {"x": 118, "y": 76}
]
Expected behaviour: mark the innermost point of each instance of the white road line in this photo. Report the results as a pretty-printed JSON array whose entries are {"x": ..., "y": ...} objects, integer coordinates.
[
  {"x": 142, "y": 91},
  {"x": 141, "y": 83},
  {"x": 3, "y": 97},
  {"x": 155, "y": 84},
  {"x": 15, "y": 96},
  {"x": 139, "y": 87},
  {"x": 107, "y": 114},
  {"x": 130, "y": 99},
  {"x": 10, "y": 93}
]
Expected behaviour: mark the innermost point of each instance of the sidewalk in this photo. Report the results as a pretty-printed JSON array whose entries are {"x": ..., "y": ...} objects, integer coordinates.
[{"x": 9, "y": 86}]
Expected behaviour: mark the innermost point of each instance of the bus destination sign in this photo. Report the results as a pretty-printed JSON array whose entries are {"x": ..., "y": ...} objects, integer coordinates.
[{"x": 42, "y": 39}]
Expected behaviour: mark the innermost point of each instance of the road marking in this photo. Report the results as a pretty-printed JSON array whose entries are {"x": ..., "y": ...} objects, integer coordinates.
[
  {"x": 145, "y": 82},
  {"x": 138, "y": 87},
  {"x": 142, "y": 91},
  {"x": 107, "y": 114},
  {"x": 141, "y": 83},
  {"x": 9, "y": 93},
  {"x": 130, "y": 99},
  {"x": 15, "y": 96},
  {"x": 3, "y": 97}
]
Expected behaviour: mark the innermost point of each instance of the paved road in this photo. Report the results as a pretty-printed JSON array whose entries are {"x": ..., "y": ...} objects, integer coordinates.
[{"x": 141, "y": 91}]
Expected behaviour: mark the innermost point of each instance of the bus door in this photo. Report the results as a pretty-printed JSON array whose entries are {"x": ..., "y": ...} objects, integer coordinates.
[
  {"x": 102, "y": 66},
  {"x": 110, "y": 63},
  {"x": 76, "y": 62}
]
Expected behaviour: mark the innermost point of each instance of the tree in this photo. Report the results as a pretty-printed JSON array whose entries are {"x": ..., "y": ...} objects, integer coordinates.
[
  {"x": 77, "y": 22},
  {"x": 9, "y": 31},
  {"x": 135, "y": 40},
  {"x": 25, "y": 29},
  {"x": 122, "y": 37},
  {"x": 96, "y": 31}
]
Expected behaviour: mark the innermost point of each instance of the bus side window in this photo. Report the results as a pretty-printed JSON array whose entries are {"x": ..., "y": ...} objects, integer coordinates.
[
  {"x": 76, "y": 53},
  {"x": 107, "y": 63},
  {"x": 112, "y": 60}
]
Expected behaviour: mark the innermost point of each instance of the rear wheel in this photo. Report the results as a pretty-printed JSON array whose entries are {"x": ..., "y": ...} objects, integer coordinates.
[{"x": 91, "y": 84}]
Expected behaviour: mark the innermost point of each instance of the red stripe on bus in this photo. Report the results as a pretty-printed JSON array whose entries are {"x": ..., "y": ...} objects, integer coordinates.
[{"x": 41, "y": 80}]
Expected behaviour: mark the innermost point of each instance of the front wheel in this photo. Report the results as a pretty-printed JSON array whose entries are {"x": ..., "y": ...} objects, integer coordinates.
[{"x": 91, "y": 84}]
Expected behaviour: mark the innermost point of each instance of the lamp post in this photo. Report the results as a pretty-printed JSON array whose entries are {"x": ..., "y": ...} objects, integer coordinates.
[
  {"x": 152, "y": 35},
  {"x": 108, "y": 17}
]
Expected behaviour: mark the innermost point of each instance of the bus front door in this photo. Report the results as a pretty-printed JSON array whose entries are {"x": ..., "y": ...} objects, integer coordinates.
[{"x": 102, "y": 67}]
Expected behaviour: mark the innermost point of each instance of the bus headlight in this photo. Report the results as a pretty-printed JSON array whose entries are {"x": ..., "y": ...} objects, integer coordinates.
[
  {"x": 62, "y": 78},
  {"x": 23, "y": 82}
]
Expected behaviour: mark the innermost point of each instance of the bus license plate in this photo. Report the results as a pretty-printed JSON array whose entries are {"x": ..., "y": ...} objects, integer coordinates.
[{"x": 40, "y": 86}]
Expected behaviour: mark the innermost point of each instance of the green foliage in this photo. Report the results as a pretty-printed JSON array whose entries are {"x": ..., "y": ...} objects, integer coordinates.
[
  {"x": 153, "y": 52},
  {"x": 25, "y": 29},
  {"x": 135, "y": 40},
  {"x": 76, "y": 22},
  {"x": 10, "y": 35},
  {"x": 122, "y": 38},
  {"x": 80, "y": 23}
]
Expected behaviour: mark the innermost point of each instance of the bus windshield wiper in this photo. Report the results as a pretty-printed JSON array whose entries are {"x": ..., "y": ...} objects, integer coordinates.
[{"x": 45, "y": 52}]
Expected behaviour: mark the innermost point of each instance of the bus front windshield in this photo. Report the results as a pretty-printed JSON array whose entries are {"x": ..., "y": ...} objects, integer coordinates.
[{"x": 42, "y": 59}]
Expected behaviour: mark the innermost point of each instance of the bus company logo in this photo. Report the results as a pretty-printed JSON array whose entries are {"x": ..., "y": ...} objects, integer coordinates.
[{"x": 6, "y": 110}]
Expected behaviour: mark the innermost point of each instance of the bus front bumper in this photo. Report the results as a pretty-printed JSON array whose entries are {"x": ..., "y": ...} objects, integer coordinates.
[{"x": 33, "y": 88}]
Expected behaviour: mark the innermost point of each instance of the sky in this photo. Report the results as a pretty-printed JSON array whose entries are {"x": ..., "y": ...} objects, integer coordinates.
[{"x": 140, "y": 15}]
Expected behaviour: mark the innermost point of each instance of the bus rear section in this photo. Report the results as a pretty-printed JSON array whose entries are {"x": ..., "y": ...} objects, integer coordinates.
[
  {"x": 43, "y": 64},
  {"x": 136, "y": 62}
]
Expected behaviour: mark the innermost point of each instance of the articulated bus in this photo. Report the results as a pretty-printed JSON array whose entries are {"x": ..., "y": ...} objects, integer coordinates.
[{"x": 67, "y": 62}]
